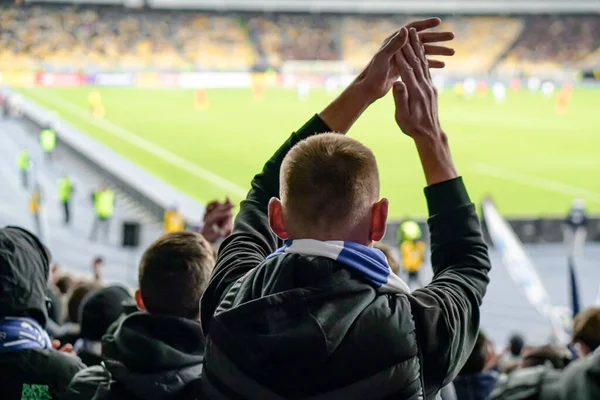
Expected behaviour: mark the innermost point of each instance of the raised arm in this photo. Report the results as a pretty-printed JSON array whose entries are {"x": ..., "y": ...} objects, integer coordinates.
[
  {"x": 446, "y": 311},
  {"x": 252, "y": 240}
]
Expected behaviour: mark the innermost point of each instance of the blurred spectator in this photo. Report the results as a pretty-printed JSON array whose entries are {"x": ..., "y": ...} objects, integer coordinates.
[
  {"x": 28, "y": 361},
  {"x": 99, "y": 310},
  {"x": 75, "y": 299},
  {"x": 218, "y": 220},
  {"x": 511, "y": 358},
  {"x": 98, "y": 269},
  {"x": 155, "y": 353},
  {"x": 579, "y": 380},
  {"x": 173, "y": 220},
  {"x": 64, "y": 284},
  {"x": 477, "y": 378},
  {"x": 586, "y": 331},
  {"x": 556, "y": 356}
]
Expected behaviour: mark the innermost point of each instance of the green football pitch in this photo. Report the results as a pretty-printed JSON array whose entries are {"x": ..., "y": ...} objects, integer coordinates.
[{"x": 531, "y": 160}]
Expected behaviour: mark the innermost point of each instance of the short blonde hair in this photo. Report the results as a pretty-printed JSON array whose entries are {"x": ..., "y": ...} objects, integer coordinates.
[{"x": 328, "y": 182}]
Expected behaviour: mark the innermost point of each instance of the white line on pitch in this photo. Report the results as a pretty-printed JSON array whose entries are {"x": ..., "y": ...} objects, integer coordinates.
[
  {"x": 144, "y": 144},
  {"x": 534, "y": 181}
]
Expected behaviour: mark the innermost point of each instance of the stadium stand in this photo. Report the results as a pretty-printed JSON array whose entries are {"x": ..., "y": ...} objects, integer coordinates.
[
  {"x": 552, "y": 43},
  {"x": 110, "y": 39},
  {"x": 293, "y": 37},
  {"x": 59, "y": 38},
  {"x": 361, "y": 36}
]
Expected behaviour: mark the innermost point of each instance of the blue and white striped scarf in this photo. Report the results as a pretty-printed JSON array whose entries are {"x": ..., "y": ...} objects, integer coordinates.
[
  {"x": 370, "y": 263},
  {"x": 18, "y": 333}
]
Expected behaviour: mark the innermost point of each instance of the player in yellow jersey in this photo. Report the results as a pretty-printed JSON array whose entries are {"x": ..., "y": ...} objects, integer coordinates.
[{"x": 96, "y": 107}]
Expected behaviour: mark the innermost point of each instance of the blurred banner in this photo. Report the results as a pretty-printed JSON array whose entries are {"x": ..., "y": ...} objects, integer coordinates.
[
  {"x": 53, "y": 79},
  {"x": 523, "y": 272},
  {"x": 222, "y": 80},
  {"x": 112, "y": 79}
]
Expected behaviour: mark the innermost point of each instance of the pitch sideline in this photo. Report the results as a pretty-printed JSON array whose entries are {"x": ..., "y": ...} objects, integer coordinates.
[
  {"x": 534, "y": 181},
  {"x": 149, "y": 147}
]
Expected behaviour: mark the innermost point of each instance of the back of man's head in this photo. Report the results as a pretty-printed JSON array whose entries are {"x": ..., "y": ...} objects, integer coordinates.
[
  {"x": 586, "y": 329},
  {"x": 478, "y": 358},
  {"x": 328, "y": 184},
  {"x": 24, "y": 272},
  {"x": 173, "y": 274}
]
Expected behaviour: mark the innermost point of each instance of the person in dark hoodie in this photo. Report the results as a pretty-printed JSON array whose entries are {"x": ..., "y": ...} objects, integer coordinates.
[
  {"x": 98, "y": 311},
  {"x": 300, "y": 305},
  {"x": 155, "y": 353},
  {"x": 29, "y": 365},
  {"x": 477, "y": 378}
]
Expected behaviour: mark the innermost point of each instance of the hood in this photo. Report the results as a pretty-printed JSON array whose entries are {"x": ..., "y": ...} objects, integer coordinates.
[
  {"x": 154, "y": 356},
  {"x": 292, "y": 307},
  {"x": 99, "y": 309},
  {"x": 24, "y": 270}
]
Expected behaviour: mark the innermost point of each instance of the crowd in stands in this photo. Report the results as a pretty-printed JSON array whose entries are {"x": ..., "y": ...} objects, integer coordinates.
[
  {"x": 296, "y": 302},
  {"x": 69, "y": 38},
  {"x": 292, "y": 37},
  {"x": 61, "y": 38},
  {"x": 552, "y": 42}
]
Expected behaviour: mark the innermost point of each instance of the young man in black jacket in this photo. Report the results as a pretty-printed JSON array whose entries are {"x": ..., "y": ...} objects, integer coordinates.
[
  {"x": 29, "y": 365},
  {"x": 154, "y": 354},
  {"x": 320, "y": 315}
]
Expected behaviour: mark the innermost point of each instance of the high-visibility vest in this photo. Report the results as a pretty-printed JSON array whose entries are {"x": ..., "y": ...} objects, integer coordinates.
[
  {"x": 34, "y": 201},
  {"x": 48, "y": 140},
  {"x": 65, "y": 189},
  {"x": 412, "y": 253},
  {"x": 174, "y": 221},
  {"x": 23, "y": 161},
  {"x": 409, "y": 230},
  {"x": 104, "y": 203}
]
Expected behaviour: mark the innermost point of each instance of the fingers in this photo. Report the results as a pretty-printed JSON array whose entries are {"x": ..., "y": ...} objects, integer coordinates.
[
  {"x": 419, "y": 52},
  {"x": 434, "y": 37},
  {"x": 406, "y": 71},
  {"x": 436, "y": 64},
  {"x": 401, "y": 100},
  {"x": 432, "y": 50},
  {"x": 67, "y": 348},
  {"x": 424, "y": 24},
  {"x": 55, "y": 344},
  {"x": 395, "y": 43},
  {"x": 409, "y": 54}
]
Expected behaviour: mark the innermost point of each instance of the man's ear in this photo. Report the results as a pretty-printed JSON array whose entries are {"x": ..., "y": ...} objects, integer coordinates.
[
  {"x": 139, "y": 301},
  {"x": 276, "y": 218},
  {"x": 379, "y": 216}
]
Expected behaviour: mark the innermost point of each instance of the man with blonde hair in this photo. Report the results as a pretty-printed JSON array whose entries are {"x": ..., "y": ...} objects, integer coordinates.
[{"x": 300, "y": 304}]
